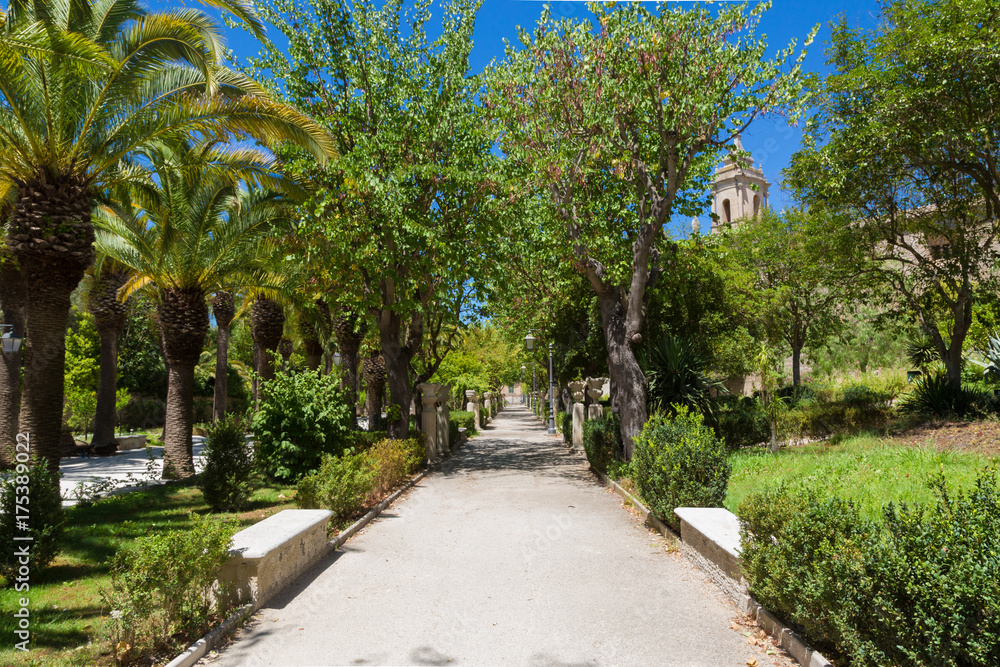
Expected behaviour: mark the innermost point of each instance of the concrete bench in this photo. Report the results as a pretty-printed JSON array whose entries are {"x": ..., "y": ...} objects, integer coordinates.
[
  {"x": 714, "y": 532},
  {"x": 268, "y": 555},
  {"x": 129, "y": 442}
]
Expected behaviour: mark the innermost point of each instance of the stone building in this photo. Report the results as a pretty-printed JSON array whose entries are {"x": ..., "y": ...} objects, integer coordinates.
[{"x": 734, "y": 196}]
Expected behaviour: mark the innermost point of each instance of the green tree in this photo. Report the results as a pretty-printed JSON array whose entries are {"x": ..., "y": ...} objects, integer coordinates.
[
  {"x": 903, "y": 144},
  {"x": 802, "y": 266},
  {"x": 620, "y": 124},
  {"x": 406, "y": 205},
  {"x": 184, "y": 234},
  {"x": 82, "y": 86}
]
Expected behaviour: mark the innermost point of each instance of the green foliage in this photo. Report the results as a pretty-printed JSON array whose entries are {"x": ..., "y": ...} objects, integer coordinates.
[
  {"x": 678, "y": 462},
  {"x": 161, "y": 585},
  {"x": 991, "y": 364},
  {"x": 930, "y": 572},
  {"x": 341, "y": 484},
  {"x": 565, "y": 422},
  {"x": 140, "y": 365},
  {"x": 82, "y": 404},
  {"x": 31, "y": 490},
  {"x": 302, "y": 416},
  {"x": 393, "y": 461},
  {"x": 677, "y": 377},
  {"x": 481, "y": 360},
  {"x": 226, "y": 481},
  {"x": 740, "y": 421},
  {"x": 935, "y": 396},
  {"x": 602, "y": 441},
  {"x": 921, "y": 351},
  {"x": 83, "y": 348},
  {"x": 461, "y": 419}
]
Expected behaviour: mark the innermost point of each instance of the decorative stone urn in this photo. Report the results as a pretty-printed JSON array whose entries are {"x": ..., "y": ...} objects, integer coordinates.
[
  {"x": 595, "y": 388},
  {"x": 470, "y": 400}
]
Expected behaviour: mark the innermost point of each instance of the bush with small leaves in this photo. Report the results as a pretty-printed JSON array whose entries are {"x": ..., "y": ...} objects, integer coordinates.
[
  {"x": 341, "y": 484},
  {"x": 227, "y": 480},
  {"x": 679, "y": 462},
  {"x": 30, "y": 506},
  {"x": 602, "y": 441},
  {"x": 162, "y": 587}
]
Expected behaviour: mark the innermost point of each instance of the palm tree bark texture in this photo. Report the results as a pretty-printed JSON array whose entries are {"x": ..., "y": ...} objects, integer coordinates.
[
  {"x": 183, "y": 316},
  {"x": 109, "y": 314},
  {"x": 224, "y": 311},
  {"x": 52, "y": 239},
  {"x": 267, "y": 323},
  {"x": 12, "y": 299},
  {"x": 348, "y": 328}
]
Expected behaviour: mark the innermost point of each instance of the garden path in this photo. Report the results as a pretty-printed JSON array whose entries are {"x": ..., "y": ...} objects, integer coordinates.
[{"x": 510, "y": 554}]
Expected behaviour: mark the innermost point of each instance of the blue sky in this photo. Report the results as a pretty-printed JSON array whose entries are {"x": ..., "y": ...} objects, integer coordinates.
[{"x": 770, "y": 141}]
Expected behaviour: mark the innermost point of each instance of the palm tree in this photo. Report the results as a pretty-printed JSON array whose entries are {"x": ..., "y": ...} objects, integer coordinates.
[
  {"x": 12, "y": 298},
  {"x": 267, "y": 324},
  {"x": 188, "y": 231},
  {"x": 83, "y": 85},
  {"x": 224, "y": 310},
  {"x": 109, "y": 315}
]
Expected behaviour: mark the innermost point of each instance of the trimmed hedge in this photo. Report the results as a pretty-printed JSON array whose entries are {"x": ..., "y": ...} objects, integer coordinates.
[
  {"x": 918, "y": 588},
  {"x": 602, "y": 441},
  {"x": 564, "y": 421},
  {"x": 679, "y": 462}
]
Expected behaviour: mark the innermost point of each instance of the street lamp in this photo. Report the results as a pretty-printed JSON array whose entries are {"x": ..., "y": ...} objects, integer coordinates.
[
  {"x": 523, "y": 368},
  {"x": 552, "y": 396},
  {"x": 529, "y": 342},
  {"x": 337, "y": 359},
  {"x": 10, "y": 341}
]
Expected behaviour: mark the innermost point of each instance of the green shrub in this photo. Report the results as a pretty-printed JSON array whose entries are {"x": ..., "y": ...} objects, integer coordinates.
[
  {"x": 935, "y": 396},
  {"x": 816, "y": 420},
  {"x": 678, "y": 462},
  {"x": 740, "y": 421},
  {"x": 302, "y": 416},
  {"x": 341, "y": 484},
  {"x": 226, "y": 482},
  {"x": 162, "y": 585},
  {"x": 463, "y": 419},
  {"x": 919, "y": 588},
  {"x": 602, "y": 441},
  {"x": 677, "y": 376},
  {"x": 393, "y": 461},
  {"x": 34, "y": 489},
  {"x": 564, "y": 421}
]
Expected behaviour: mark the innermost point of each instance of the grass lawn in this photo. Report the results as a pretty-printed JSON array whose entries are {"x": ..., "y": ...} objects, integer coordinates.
[
  {"x": 66, "y": 613},
  {"x": 867, "y": 469}
]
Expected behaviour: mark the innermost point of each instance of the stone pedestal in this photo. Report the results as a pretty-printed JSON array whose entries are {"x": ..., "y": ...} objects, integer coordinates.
[
  {"x": 477, "y": 411},
  {"x": 443, "y": 436},
  {"x": 488, "y": 404},
  {"x": 470, "y": 400},
  {"x": 576, "y": 389},
  {"x": 428, "y": 418},
  {"x": 595, "y": 389}
]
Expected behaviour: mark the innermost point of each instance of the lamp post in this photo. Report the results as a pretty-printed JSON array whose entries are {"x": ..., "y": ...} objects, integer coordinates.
[
  {"x": 523, "y": 368},
  {"x": 529, "y": 345},
  {"x": 552, "y": 396},
  {"x": 10, "y": 341}
]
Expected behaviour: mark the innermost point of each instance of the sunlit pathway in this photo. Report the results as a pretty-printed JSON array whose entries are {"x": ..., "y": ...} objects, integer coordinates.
[{"x": 512, "y": 554}]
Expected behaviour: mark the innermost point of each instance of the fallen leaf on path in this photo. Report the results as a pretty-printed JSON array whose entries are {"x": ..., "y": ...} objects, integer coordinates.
[{"x": 752, "y": 662}]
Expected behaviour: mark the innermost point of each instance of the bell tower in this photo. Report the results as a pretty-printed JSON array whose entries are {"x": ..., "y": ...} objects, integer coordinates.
[{"x": 733, "y": 195}]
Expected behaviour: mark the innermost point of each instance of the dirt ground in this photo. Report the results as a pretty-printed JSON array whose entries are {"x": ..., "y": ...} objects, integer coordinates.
[{"x": 979, "y": 437}]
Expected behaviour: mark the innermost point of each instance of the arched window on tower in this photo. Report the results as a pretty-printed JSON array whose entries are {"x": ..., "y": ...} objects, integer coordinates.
[
  {"x": 756, "y": 205},
  {"x": 726, "y": 213}
]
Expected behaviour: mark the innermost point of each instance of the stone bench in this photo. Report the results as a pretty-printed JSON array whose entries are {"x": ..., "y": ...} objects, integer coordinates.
[
  {"x": 268, "y": 555},
  {"x": 129, "y": 442}
]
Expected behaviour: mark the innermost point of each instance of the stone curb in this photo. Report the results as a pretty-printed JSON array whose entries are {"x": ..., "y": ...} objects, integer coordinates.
[
  {"x": 786, "y": 637},
  {"x": 197, "y": 650}
]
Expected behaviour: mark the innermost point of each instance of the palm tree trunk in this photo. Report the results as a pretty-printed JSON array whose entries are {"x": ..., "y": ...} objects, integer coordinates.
[
  {"x": 106, "y": 417},
  {"x": 221, "y": 390},
  {"x": 267, "y": 326},
  {"x": 178, "y": 459},
  {"x": 109, "y": 314},
  {"x": 224, "y": 311},
  {"x": 12, "y": 303},
  {"x": 183, "y": 316}
]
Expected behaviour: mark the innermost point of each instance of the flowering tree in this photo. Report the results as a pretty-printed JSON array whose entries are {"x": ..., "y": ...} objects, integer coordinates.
[{"x": 619, "y": 125}]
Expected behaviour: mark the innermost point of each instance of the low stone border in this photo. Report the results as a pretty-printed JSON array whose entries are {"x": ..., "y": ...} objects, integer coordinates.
[
  {"x": 197, "y": 650},
  {"x": 786, "y": 637}
]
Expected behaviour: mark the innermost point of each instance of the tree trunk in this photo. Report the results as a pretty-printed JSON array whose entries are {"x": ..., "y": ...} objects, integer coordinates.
[
  {"x": 224, "y": 310},
  {"x": 374, "y": 370},
  {"x": 267, "y": 326},
  {"x": 52, "y": 238},
  {"x": 106, "y": 417},
  {"x": 626, "y": 375},
  {"x": 178, "y": 459},
  {"x": 220, "y": 392},
  {"x": 109, "y": 315},
  {"x": 349, "y": 331},
  {"x": 397, "y": 366},
  {"x": 796, "y": 360},
  {"x": 12, "y": 298},
  {"x": 183, "y": 317},
  {"x": 311, "y": 346}
]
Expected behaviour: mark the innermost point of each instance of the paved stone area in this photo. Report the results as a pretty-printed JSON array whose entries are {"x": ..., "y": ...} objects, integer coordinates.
[{"x": 510, "y": 554}]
